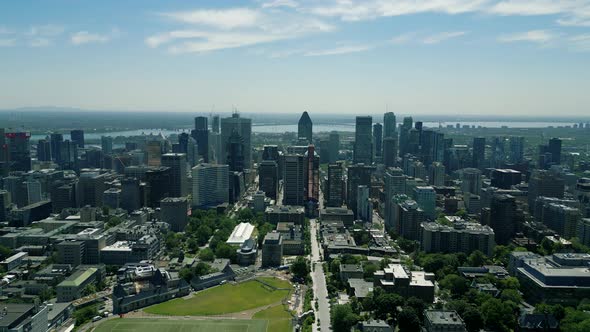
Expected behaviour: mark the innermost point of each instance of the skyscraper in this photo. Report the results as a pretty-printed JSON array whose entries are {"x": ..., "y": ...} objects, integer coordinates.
[
  {"x": 243, "y": 127},
  {"x": 516, "y": 149},
  {"x": 294, "y": 181},
  {"x": 19, "y": 151},
  {"x": 363, "y": 203},
  {"x": 471, "y": 181},
  {"x": 77, "y": 136},
  {"x": 56, "y": 141},
  {"x": 544, "y": 183},
  {"x": 334, "y": 146},
  {"x": 358, "y": 175},
  {"x": 178, "y": 173},
  {"x": 312, "y": 192},
  {"x": 43, "y": 150},
  {"x": 201, "y": 135},
  {"x": 305, "y": 127},
  {"x": 268, "y": 178},
  {"x": 436, "y": 174},
  {"x": 334, "y": 195},
  {"x": 426, "y": 199},
  {"x": 106, "y": 144},
  {"x": 404, "y": 136},
  {"x": 554, "y": 148},
  {"x": 503, "y": 217},
  {"x": 154, "y": 153},
  {"x": 235, "y": 152},
  {"x": 210, "y": 185},
  {"x": 215, "y": 124},
  {"x": 389, "y": 125},
  {"x": 130, "y": 194},
  {"x": 363, "y": 141},
  {"x": 410, "y": 218},
  {"x": 479, "y": 150},
  {"x": 390, "y": 151},
  {"x": 378, "y": 139}
]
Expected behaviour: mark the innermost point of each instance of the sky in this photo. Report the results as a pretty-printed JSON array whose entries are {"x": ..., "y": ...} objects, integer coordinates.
[{"x": 452, "y": 57}]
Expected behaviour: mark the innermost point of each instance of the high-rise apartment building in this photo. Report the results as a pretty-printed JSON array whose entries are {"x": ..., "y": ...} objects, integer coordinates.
[
  {"x": 516, "y": 144},
  {"x": 294, "y": 180},
  {"x": 544, "y": 183},
  {"x": 479, "y": 152},
  {"x": 436, "y": 174},
  {"x": 106, "y": 142},
  {"x": 178, "y": 173},
  {"x": 210, "y": 185},
  {"x": 334, "y": 194},
  {"x": 268, "y": 178},
  {"x": 503, "y": 217},
  {"x": 359, "y": 174},
  {"x": 426, "y": 198}
]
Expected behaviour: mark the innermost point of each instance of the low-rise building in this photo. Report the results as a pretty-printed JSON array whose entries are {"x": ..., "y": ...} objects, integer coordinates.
[
  {"x": 348, "y": 271},
  {"x": 461, "y": 237},
  {"x": 247, "y": 253},
  {"x": 241, "y": 233},
  {"x": 223, "y": 272},
  {"x": 338, "y": 214},
  {"x": 395, "y": 278},
  {"x": 14, "y": 261},
  {"x": 145, "y": 285},
  {"x": 72, "y": 288},
  {"x": 285, "y": 213},
  {"x": 272, "y": 249},
  {"x": 20, "y": 317},
  {"x": 443, "y": 321}
]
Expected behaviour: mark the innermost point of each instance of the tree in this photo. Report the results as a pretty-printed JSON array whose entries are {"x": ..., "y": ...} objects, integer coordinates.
[
  {"x": 456, "y": 284},
  {"x": 300, "y": 268},
  {"x": 498, "y": 316},
  {"x": 408, "y": 320},
  {"x": 418, "y": 305},
  {"x": 225, "y": 250},
  {"x": 201, "y": 269},
  {"x": 369, "y": 270},
  {"x": 186, "y": 274},
  {"x": 4, "y": 252},
  {"x": 90, "y": 289},
  {"x": 386, "y": 303},
  {"x": 343, "y": 318},
  {"x": 473, "y": 319},
  {"x": 575, "y": 321},
  {"x": 477, "y": 258},
  {"x": 511, "y": 295},
  {"x": 207, "y": 255},
  {"x": 85, "y": 314},
  {"x": 203, "y": 234}
]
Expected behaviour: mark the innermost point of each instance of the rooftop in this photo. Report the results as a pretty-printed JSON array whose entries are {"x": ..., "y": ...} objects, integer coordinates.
[
  {"x": 78, "y": 277},
  {"x": 242, "y": 232},
  {"x": 443, "y": 317}
]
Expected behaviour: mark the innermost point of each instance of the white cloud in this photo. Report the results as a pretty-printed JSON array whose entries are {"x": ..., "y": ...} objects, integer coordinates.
[
  {"x": 580, "y": 42},
  {"x": 85, "y": 37},
  {"x": 280, "y": 3},
  {"x": 7, "y": 42},
  {"x": 339, "y": 50},
  {"x": 533, "y": 36},
  {"x": 442, "y": 36},
  {"x": 40, "y": 42},
  {"x": 218, "y": 18},
  {"x": 404, "y": 38},
  {"x": 235, "y": 27},
  {"x": 49, "y": 30}
]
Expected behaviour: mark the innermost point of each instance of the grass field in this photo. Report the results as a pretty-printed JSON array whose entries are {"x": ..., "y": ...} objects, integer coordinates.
[
  {"x": 278, "y": 319},
  {"x": 224, "y": 299},
  {"x": 169, "y": 325}
]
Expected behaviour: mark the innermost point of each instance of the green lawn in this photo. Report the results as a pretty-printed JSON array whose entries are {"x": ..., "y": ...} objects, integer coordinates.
[
  {"x": 224, "y": 299},
  {"x": 170, "y": 325},
  {"x": 278, "y": 319}
]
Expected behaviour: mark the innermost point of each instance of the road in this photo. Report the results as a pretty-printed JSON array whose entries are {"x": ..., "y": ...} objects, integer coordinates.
[{"x": 319, "y": 282}]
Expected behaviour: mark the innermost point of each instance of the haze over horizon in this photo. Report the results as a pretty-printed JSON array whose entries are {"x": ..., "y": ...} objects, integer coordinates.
[{"x": 450, "y": 57}]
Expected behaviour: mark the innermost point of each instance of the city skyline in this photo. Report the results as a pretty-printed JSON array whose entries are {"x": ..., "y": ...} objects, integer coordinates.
[{"x": 452, "y": 57}]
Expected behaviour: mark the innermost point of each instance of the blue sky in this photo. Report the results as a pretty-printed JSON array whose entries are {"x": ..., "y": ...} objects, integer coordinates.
[{"x": 341, "y": 56}]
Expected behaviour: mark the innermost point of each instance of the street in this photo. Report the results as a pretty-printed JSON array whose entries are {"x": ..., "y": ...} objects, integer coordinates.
[{"x": 322, "y": 313}]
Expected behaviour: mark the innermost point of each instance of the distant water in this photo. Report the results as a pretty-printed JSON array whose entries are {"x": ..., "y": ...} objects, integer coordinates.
[{"x": 343, "y": 127}]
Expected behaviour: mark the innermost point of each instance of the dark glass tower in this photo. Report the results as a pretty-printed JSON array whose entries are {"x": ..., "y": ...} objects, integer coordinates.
[
  {"x": 305, "y": 127},
  {"x": 77, "y": 136},
  {"x": 201, "y": 135},
  {"x": 378, "y": 139}
]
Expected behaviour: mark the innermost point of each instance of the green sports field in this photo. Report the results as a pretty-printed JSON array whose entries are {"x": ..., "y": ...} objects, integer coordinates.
[
  {"x": 171, "y": 325},
  {"x": 225, "y": 299}
]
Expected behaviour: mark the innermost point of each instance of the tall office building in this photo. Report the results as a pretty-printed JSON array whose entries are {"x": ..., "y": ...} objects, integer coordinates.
[
  {"x": 390, "y": 151},
  {"x": 5, "y": 203},
  {"x": 210, "y": 185},
  {"x": 503, "y": 218},
  {"x": 154, "y": 153},
  {"x": 562, "y": 219},
  {"x": 43, "y": 150},
  {"x": 178, "y": 173},
  {"x": 471, "y": 181},
  {"x": 431, "y": 146},
  {"x": 378, "y": 139},
  {"x": 334, "y": 146},
  {"x": 77, "y": 136},
  {"x": 364, "y": 209},
  {"x": 358, "y": 175},
  {"x": 174, "y": 211},
  {"x": 544, "y": 183},
  {"x": 268, "y": 178},
  {"x": 516, "y": 149},
  {"x": 19, "y": 151},
  {"x": 305, "y": 127},
  {"x": 404, "y": 135},
  {"x": 426, "y": 199},
  {"x": 363, "y": 140},
  {"x": 334, "y": 195},
  {"x": 201, "y": 135},
  {"x": 294, "y": 180},
  {"x": 159, "y": 184},
  {"x": 130, "y": 194},
  {"x": 106, "y": 143},
  {"x": 395, "y": 184},
  {"x": 183, "y": 139},
  {"x": 312, "y": 187},
  {"x": 479, "y": 152},
  {"x": 235, "y": 152},
  {"x": 436, "y": 174},
  {"x": 56, "y": 141},
  {"x": 554, "y": 147},
  {"x": 243, "y": 127},
  {"x": 34, "y": 194},
  {"x": 215, "y": 124},
  {"x": 389, "y": 125}
]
